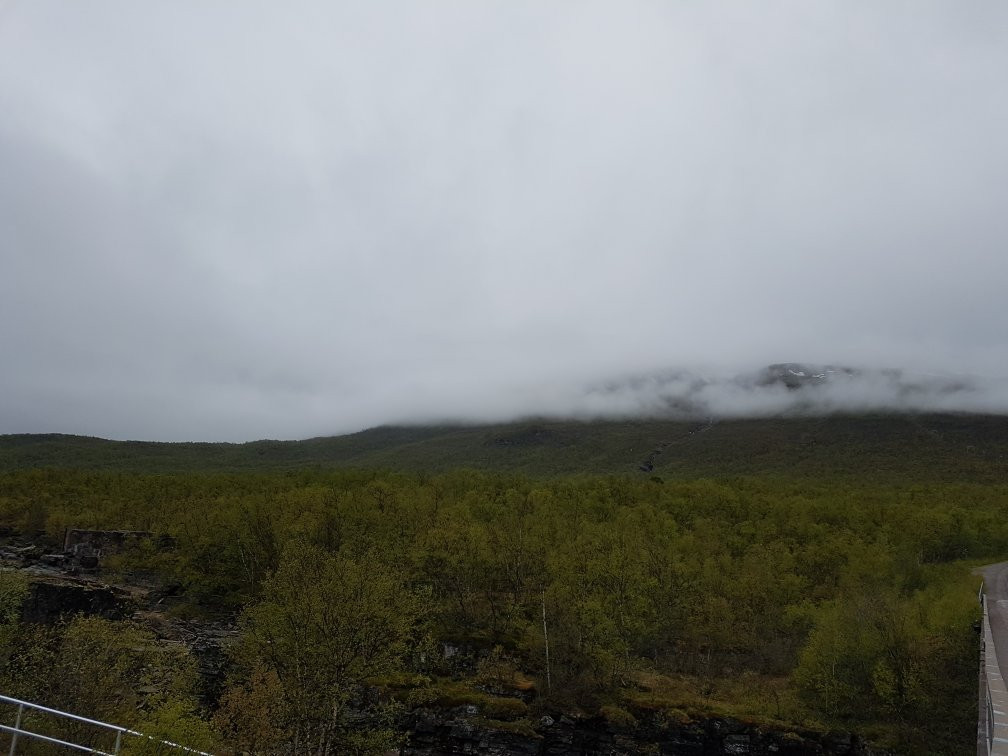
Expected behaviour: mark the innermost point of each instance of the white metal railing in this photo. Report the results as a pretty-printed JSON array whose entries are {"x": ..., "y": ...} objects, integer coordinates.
[
  {"x": 988, "y": 713},
  {"x": 119, "y": 732},
  {"x": 990, "y": 720},
  {"x": 995, "y": 713}
]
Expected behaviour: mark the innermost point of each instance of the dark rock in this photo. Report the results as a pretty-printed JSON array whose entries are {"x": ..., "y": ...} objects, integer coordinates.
[
  {"x": 50, "y": 600},
  {"x": 736, "y": 743},
  {"x": 101, "y": 541},
  {"x": 457, "y": 659},
  {"x": 433, "y": 733},
  {"x": 169, "y": 590},
  {"x": 21, "y": 555},
  {"x": 840, "y": 742},
  {"x": 209, "y": 643}
]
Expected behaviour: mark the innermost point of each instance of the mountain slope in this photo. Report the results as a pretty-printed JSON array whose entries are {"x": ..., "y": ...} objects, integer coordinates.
[{"x": 926, "y": 446}]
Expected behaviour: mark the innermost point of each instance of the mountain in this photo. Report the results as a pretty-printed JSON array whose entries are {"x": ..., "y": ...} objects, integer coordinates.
[
  {"x": 792, "y": 388},
  {"x": 876, "y": 446}
]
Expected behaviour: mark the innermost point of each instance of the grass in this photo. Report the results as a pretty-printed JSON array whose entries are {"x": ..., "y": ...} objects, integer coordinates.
[
  {"x": 747, "y": 697},
  {"x": 447, "y": 693}
]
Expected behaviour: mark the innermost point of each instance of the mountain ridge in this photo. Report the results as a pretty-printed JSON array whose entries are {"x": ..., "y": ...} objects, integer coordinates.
[{"x": 945, "y": 445}]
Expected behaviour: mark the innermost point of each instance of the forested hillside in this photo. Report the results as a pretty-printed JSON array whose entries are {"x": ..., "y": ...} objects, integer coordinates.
[
  {"x": 802, "y": 599},
  {"x": 898, "y": 446}
]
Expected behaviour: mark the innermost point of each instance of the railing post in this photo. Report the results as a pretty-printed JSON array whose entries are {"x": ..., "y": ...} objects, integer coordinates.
[
  {"x": 990, "y": 722},
  {"x": 118, "y": 743},
  {"x": 17, "y": 727}
]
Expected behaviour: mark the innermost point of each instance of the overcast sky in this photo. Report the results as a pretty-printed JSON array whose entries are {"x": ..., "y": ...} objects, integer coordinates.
[{"x": 236, "y": 220}]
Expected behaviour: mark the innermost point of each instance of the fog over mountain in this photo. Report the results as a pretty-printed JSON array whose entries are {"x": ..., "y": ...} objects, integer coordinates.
[
  {"x": 779, "y": 390},
  {"x": 232, "y": 220},
  {"x": 791, "y": 389}
]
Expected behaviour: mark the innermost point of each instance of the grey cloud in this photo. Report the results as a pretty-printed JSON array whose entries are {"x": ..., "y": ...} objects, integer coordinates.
[
  {"x": 795, "y": 389},
  {"x": 232, "y": 220}
]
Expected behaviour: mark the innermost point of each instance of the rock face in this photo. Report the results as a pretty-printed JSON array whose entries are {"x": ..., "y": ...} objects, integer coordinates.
[
  {"x": 434, "y": 733},
  {"x": 50, "y": 599},
  {"x": 208, "y": 643}
]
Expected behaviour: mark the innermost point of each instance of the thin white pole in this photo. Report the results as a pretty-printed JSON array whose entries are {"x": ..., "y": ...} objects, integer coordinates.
[
  {"x": 549, "y": 682},
  {"x": 17, "y": 728}
]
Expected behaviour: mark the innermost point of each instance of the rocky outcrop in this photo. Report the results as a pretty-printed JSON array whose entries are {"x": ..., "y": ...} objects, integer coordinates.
[
  {"x": 208, "y": 642},
  {"x": 461, "y": 731},
  {"x": 49, "y": 600}
]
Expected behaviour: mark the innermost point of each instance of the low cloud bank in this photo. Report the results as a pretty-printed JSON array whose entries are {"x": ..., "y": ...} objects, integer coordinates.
[
  {"x": 792, "y": 389},
  {"x": 780, "y": 390}
]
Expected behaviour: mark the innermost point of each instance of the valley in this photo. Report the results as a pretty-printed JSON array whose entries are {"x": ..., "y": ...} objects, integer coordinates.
[{"x": 788, "y": 582}]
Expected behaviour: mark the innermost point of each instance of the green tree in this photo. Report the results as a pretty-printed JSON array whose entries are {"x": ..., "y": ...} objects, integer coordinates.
[
  {"x": 13, "y": 591},
  {"x": 100, "y": 669},
  {"x": 325, "y": 625}
]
